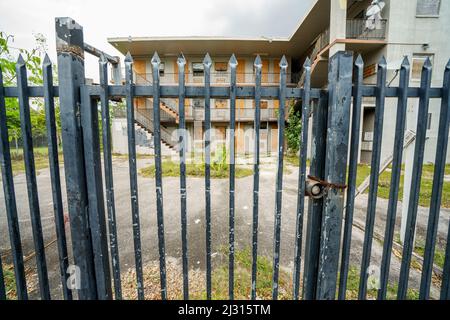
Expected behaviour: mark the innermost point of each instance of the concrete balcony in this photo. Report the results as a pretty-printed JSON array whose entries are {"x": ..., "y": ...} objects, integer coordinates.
[
  {"x": 361, "y": 36},
  {"x": 218, "y": 79}
]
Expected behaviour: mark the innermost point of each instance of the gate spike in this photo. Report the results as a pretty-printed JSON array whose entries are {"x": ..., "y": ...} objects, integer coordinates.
[
  {"x": 258, "y": 62},
  {"x": 283, "y": 62},
  {"x": 46, "y": 61},
  {"x": 427, "y": 64},
  {"x": 156, "y": 60},
  {"x": 307, "y": 63},
  {"x": 382, "y": 63},
  {"x": 128, "y": 58},
  {"x": 405, "y": 62},
  {"x": 20, "y": 61},
  {"x": 181, "y": 60},
  {"x": 207, "y": 62},
  {"x": 359, "y": 62},
  {"x": 233, "y": 61}
]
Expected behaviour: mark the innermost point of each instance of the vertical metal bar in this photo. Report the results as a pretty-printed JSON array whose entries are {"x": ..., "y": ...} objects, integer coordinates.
[
  {"x": 436, "y": 194},
  {"x": 279, "y": 181},
  {"x": 340, "y": 92},
  {"x": 233, "y": 64},
  {"x": 30, "y": 173},
  {"x": 257, "y": 125},
  {"x": 158, "y": 174},
  {"x": 352, "y": 171},
  {"x": 374, "y": 177},
  {"x": 10, "y": 200},
  {"x": 207, "y": 67},
  {"x": 69, "y": 46},
  {"x": 93, "y": 167},
  {"x": 445, "y": 286},
  {"x": 315, "y": 207},
  {"x": 181, "y": 61},
  {"x": 395, "y": 178},
  {"x": 302, "y": 176},
  {"x": 109, "y": 182},
  {"x": 58, "y": 209},
  {"x": 421, "y": 132},
  {"x": 133, "y": 174},
  {"x": 2, "y": 282}
]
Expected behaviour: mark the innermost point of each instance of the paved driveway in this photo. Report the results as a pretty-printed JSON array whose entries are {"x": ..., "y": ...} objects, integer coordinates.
[{"x": 196, "y": 221}]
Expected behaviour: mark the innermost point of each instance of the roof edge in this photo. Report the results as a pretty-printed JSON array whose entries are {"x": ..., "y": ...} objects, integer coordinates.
[
  {"x": 303, "y": 19},
  {"x": 195, "y": 38}
]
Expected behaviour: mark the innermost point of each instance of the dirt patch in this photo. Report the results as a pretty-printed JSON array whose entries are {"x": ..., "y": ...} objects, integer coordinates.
[{"x": 152, "y": 288}]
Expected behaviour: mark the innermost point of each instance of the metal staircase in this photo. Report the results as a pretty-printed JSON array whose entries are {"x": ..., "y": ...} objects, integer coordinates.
[
  {"x": 144, "y": 118},
  {"x": 170, "y": 108}
]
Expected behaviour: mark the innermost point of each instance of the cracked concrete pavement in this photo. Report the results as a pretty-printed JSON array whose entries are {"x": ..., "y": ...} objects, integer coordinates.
[{"x": 196, "y": 220}]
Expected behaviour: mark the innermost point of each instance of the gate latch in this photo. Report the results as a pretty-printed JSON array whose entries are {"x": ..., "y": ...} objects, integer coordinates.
[
  {"x": 314, "y": 189},
  {"x": 317, "y": 188}
]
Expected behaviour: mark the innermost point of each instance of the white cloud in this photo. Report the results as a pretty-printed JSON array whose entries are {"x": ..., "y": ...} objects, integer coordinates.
[{"x": 111, "y": 18}]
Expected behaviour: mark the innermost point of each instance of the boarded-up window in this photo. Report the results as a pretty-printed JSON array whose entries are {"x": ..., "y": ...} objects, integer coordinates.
[
  {"x": 417, "y": 63},
  {"x": 263, "y": 104},
  {"x": 370, "y": 70},
  {"x": 240, "y": 72},
  {"x": 221, "y": 103},
  {"x": 428, "y": 7},
  {"x": 221, "y": 66}
]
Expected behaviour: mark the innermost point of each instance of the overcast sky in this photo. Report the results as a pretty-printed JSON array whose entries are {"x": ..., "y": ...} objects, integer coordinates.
[{"x": 111, "y": 18}]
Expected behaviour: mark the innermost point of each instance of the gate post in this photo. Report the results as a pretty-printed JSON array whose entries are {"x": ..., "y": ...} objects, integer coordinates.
[
  {"x": 315, "y": 206},
  {"x": 339, "y": 100},
  {"x": 70, "y": 53}
]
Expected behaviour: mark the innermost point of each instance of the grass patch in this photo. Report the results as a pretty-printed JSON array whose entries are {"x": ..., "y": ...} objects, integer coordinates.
[
  {"x": 294, "y": 160},
  {"x": 40, "y": 159},
  {"x": 439, "y": 254},
  {"x": 242, "y": 278},
  {"x": 219, "y": 290},
  {"x": 10, "y": 282},
  {"x": 138, "y": 156},
  {"x": 353, "y": 288},
  {"x": 172, "y": 169},
  {"x": 426, "y": 184}
]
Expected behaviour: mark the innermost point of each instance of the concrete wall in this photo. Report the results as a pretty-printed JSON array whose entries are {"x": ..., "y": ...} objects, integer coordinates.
[
  {"x": 406, "y": 35},
  {"x": 144, "y": 140}
]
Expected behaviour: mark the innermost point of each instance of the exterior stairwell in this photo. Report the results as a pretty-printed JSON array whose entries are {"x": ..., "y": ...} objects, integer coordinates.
[
  {"x": 170, "y": 108},
  {"x": 143, "y": 119}
]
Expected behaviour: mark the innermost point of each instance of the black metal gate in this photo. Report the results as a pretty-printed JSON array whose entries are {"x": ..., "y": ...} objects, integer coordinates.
[{"x": 336, "y": 113}]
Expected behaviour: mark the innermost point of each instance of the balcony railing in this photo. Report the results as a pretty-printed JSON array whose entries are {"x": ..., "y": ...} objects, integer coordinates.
[
  {"x": 192, "y": 113},
  {"x": 355, "y": 29},
  {"x": 223, "y": 114},
  {"x": 217, "y": 78},
  {"x": 359, "y": 29}
]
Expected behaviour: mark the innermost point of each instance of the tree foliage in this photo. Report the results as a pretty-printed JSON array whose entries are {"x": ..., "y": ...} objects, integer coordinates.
[
  {"x": 293, "y": 128},
  {"x": 33, "y": 61}
]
